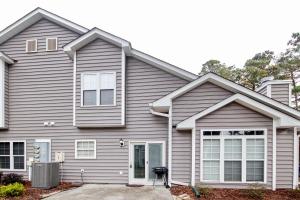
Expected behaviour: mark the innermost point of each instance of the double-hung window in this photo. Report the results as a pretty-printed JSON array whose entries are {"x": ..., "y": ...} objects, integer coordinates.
[
  {"x": 98, "y": 89},
  {"x": 12, "y": 155},
  {"x": 85, "y": 149},
  {"x": 233, "y": 156}
]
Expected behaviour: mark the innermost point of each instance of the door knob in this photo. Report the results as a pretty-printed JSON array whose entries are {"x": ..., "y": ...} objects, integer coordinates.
[{"x": 130, "y": 165}]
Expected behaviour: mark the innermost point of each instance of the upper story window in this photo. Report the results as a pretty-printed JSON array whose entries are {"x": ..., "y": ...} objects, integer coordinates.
[
  {"x": 51, "y": 44},
  {"x": 98, "y": 89},
  {"x": 31, "y": 46}
]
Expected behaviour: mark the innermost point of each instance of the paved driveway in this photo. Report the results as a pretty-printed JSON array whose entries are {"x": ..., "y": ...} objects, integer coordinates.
[{"x": 114, "y": 192}]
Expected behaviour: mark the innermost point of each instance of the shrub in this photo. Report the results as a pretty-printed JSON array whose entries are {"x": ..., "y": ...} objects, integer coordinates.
[
  {"x": 204, "y": 190},
  {"x": 12, "y": 190},
  {"x": 255, "y": 191},
  {"x": 12, "y": 178}
]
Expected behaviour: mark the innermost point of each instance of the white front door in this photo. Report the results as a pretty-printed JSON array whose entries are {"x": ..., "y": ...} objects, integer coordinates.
[{"x": 143, "y": 156}]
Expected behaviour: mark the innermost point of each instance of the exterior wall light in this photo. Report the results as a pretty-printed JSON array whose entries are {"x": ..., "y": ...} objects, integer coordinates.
[{"x": 122, "y": 143}]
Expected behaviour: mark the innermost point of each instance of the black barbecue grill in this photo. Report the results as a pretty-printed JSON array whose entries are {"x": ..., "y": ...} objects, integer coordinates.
[{"x": 160, "y": 172}]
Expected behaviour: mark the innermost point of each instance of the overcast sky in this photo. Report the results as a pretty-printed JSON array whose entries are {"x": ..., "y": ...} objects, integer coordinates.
[{"x": 185, "y": 33}]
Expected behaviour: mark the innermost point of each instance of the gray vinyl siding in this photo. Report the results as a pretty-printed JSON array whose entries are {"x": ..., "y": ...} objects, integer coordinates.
[
  {"x": 184, "y": 106},
  {"x": 181, "y": 156},
  {"x": 236, "y": 116},
  {"x": 6, "y": 101},
  {"x": 280, "y": 92},
  {"x": 285, "y": 149},
  {"x": 98, "y": 56},
  {"x": 197, "y": 100},
  {"x": 41, "y": 89}
]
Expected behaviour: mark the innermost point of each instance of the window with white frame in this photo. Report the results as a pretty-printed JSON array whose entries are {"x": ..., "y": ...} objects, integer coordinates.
[
  {"x": 51, "y": 44},
  {"x": 98, "y": 88},
  {"x": 85, "y": 149},
  {"x": 233, "y": 156},
  {"x": 12, "y": 155},
  {"x": 31, "y": 46}
]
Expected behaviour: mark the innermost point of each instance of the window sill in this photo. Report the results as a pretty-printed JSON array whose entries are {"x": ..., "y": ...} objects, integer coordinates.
[
  {"x": 85, "y": 158},
  {"x": 113, "y": 105},
  {"x": 13, "y": 170}
]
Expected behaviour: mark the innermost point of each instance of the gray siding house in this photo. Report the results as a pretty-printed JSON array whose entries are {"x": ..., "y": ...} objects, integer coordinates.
[{"x": 78, "y": 94}]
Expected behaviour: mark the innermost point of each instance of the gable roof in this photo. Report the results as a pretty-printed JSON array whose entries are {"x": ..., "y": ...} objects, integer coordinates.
[
  {"x": 32, "y": 18},
  {"x": 282, "y": 119},
  {"x": 96, "y": 33},
  {"x": 165, "y": 102}
]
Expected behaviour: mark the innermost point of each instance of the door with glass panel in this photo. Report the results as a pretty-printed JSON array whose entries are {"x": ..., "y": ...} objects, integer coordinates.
[{"x": 143, "y": 157}]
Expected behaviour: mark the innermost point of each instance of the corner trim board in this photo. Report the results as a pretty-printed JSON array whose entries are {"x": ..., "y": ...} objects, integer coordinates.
[
  {"x": 274, "y": 163},
  {"x": 74, "y": 87}
]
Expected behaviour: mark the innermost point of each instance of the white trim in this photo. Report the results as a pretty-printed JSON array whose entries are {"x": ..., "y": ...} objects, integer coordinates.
[
  {"x": 170, "y": 144},
  {"x": 123, "y": 90},
  {"x": 56, "y": 41},
  {"x": 243, "y": 160},
  {"x": 290, "y": 94},
  {"x": 269, "y": 91},
  {"x": 74, "y": 87},
  {"x": 274, "y": 157},
  {"x": 2, "y": 94},
  {"x": 36, "y": 46},
  {"x": 164, "y": 103},
  {"x": 92, "y": 35},
  {"x": 193, "y": 156},
  {"x": 98, "y": 88},
  {"x": 50, "y": 146},
  {"x": 146, "y": 180},
  {"x": 33, "y": 17},
  {"x": 6, "y": 59},
  {"x": 86, "y": 158},
  {"x": 296, "y": 159},
  {"x": 285, "y": 120},
  {"x": 158, "y": 113},
  {"x": 11, "y": 156}
]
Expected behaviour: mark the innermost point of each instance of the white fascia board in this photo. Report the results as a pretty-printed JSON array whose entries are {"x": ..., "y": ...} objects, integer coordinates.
[
  {"x": 6, "y": 59},
  {"x": 92, "y": 35},
  {"x": 226, "y": 84},
  {"x": 32, "y": 18},
  {"x": 163, "y": 65},
  {"x": 283, "y": 119}
]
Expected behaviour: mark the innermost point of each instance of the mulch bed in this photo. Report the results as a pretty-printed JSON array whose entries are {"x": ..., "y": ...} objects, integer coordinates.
[
  {"x": 237, "y": 194},
  {"x": 35, "y": 193}
]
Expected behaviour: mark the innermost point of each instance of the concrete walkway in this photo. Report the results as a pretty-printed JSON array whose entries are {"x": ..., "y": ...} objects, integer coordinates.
[{"x": 114, "y": 192}]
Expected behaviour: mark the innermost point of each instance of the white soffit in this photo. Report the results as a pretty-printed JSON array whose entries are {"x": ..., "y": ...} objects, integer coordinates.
[
  {"x": 282, "y": 119},
  {"x": 164, "y": 103},
  {"x": 32, "y": 18}
]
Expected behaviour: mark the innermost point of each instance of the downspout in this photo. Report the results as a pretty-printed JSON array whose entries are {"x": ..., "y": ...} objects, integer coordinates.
[{"x": 169, "y": 116}]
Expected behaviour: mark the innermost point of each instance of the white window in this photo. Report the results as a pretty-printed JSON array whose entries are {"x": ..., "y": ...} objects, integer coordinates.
[
  {"x": 98, "y": 89},
  {"x": 233, "y": 156},
  {"x": 31, "y": 46},
  {"x": 51, "y": 44},
  {"x": 12, "y": 155},
  {"x": 85, "y": 149}
]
